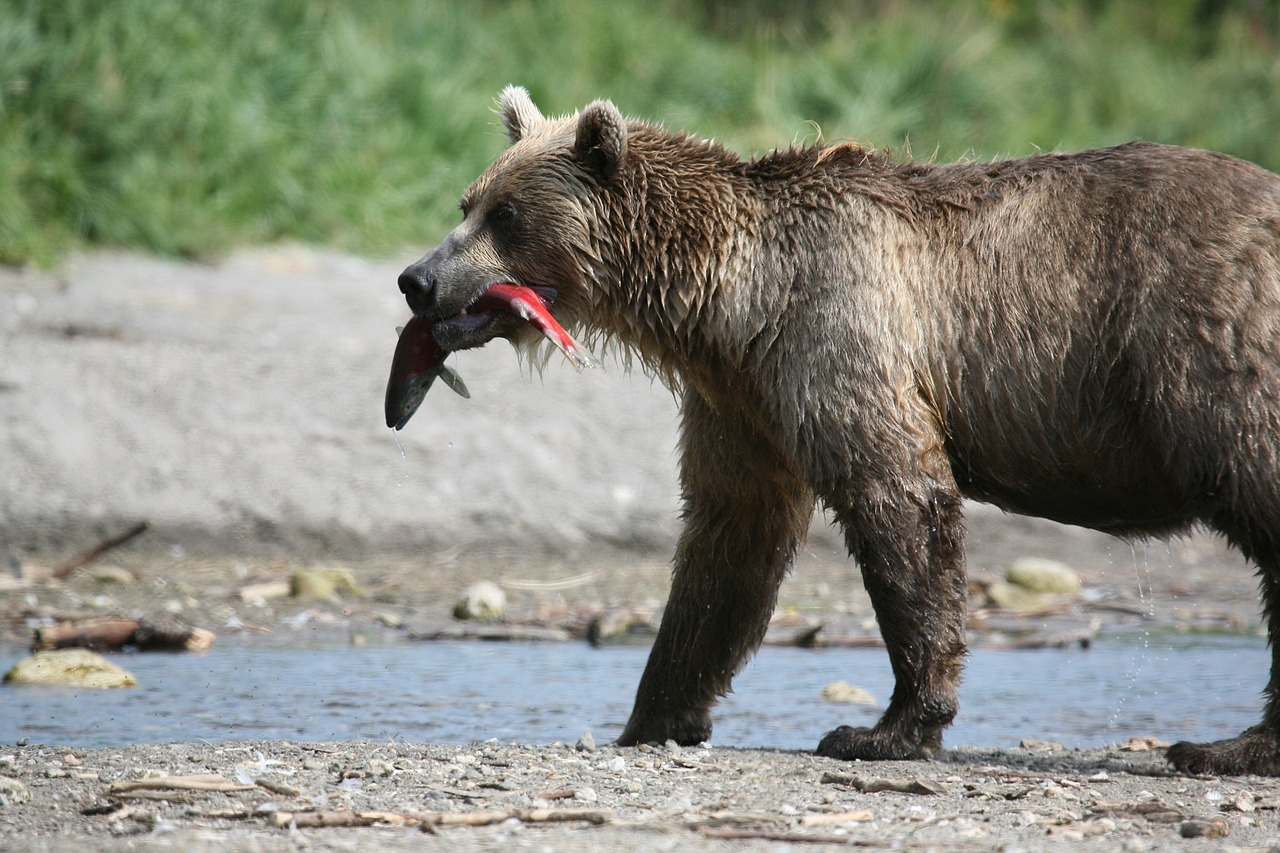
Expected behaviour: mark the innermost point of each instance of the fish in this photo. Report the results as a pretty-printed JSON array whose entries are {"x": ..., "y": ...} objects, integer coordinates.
[
  {"x": 419, "y": 359},
  {"x": 414, "y": 367},
  {"x": 529, "y": 305}
]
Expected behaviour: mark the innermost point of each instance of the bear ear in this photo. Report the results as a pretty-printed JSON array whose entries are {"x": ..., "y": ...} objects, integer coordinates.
[
  {"x": 519, "y": 115},
  {"x": 601, "y": 141}
]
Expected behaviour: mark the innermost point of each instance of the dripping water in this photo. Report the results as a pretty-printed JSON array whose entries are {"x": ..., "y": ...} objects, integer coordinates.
[
  {"x": 1139, "y": 660},
  {"x": 404, "y": 460}
]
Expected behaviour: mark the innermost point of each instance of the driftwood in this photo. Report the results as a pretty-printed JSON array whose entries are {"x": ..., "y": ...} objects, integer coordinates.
[
  {"x": 61, "y": 571},
  {"x": 343, "y": 817},
  {"x": 496, "y": 632},
  {"x": 772, "y": 835},
  {"x": 1083, "y": 637},
  {"x": 877, "y": 785},
  {"x": 200, "y": 782},
  {"x": 115, "y": 634},
  {"x": 812, "y": 637}
]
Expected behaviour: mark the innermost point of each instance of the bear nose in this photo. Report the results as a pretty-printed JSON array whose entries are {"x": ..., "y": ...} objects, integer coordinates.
[{"x": 418, "y": 284}]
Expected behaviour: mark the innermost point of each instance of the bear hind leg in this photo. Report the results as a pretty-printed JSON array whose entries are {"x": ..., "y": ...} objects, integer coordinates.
[{"x": 1255, "y": 751}]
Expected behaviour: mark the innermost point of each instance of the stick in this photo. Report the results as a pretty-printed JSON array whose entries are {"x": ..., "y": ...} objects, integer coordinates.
[
  {"x": 98, "y": 550},
  {"x": 277, "y": 787},
  {"x": 203, "y": 782},
  {"x": 350, "y": 818}
]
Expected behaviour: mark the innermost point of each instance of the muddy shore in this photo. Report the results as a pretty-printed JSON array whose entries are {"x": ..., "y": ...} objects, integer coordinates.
[{"x": 236, "y": 407}]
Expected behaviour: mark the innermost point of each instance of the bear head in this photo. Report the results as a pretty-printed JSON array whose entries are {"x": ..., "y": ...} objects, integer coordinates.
[{"x": 530, "y": 219}]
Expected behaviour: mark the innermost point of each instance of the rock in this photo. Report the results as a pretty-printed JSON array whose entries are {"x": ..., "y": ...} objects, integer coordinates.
[
  {"x": 586, "y": 743},
  {"x": 69, "y": 667},
  {"x": 328, "y": 584},
  {"x": 483, "y": 601},
  {"x": 13, "y": 792},
  {"x": 846, "y": 694},
  {"x": 1008, "y": 596},
  {"x": 1044, "y": 576}
]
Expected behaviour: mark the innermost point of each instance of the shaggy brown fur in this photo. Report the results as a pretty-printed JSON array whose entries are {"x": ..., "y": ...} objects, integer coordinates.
[{"x": 1091, "y": 337}]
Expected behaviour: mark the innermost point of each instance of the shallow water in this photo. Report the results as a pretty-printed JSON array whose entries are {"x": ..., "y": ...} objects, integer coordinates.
[{"x": 1173, "y": 687}]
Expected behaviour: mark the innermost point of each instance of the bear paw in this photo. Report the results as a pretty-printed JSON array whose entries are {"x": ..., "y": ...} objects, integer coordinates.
[
  {"x": 878, "y": 744},
  {"x": 1255, "y": 752},
  {"x": 686, "y": 732}
]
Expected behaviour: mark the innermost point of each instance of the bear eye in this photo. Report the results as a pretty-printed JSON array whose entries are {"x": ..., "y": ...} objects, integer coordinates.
[{"x": 502, "y": 212}]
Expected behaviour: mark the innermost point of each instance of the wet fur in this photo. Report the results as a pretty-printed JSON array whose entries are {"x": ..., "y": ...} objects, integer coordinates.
[{"x": 1090, "y": 337}]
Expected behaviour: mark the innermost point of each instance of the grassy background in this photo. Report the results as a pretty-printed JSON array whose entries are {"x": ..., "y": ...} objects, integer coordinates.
[{"x": 190, "y": 127}]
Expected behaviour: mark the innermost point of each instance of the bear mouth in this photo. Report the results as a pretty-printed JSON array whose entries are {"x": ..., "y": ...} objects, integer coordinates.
[{"x": 496, "y": 312}]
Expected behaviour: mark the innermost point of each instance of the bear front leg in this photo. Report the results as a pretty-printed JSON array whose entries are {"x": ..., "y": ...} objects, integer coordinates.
[
  {"x": 908, "y": 542},
  {"x": 745, "y": 514}
]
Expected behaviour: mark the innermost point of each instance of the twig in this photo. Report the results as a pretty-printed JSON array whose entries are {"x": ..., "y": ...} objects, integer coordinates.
[
  {"x": 772, "y": 835},
  {"x": 552, "y": 586},
  {"x": 343, "y": 817},
  {"x": 98, "y": 550}
]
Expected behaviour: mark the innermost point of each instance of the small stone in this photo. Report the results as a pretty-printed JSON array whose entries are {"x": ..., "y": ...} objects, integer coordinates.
[
  {"x": 260, "y": 593},
  {"x": 1043, "y": 576},
  {"x": 113, "y": 575},
  {"x": 483, "y": 601},
  {"x": 1142, "y": 744},
  {"x": 390, "y": 620},
  {"x": 846, "y": 694},
  {"x": 586, "y": 743},
  {"x": 70, "y": 667},
  {"x": 1035, "y": 745},
  {"x": 328, "y": 584}
]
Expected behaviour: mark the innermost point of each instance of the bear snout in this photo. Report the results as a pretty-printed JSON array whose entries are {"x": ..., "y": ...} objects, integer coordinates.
[{"x": 418, "y": 284}]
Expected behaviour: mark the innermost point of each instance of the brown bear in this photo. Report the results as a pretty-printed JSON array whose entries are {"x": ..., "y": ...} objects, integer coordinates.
[{"x": 1090, "y": 337}]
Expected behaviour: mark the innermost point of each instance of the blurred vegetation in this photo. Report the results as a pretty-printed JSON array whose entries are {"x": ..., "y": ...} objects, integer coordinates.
[{"x": 187, "y": 128}]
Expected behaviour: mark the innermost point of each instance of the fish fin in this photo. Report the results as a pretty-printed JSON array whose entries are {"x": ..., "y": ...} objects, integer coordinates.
[
  {"x": 579, "y": 358},
  {"x": 450, "y": 377}
]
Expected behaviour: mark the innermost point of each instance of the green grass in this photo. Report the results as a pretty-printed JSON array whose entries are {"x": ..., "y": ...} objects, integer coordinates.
[{"x": 188, "y": 128}]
